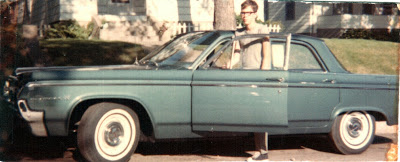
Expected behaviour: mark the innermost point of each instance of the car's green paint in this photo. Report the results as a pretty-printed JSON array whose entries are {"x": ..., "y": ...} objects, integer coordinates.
[
  {"x": 192, "y": 100},
  {"x": 237, "y": 100}
]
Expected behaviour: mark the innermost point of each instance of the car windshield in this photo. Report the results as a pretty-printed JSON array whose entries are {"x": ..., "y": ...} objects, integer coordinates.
[{"x": 182, "y": 51}]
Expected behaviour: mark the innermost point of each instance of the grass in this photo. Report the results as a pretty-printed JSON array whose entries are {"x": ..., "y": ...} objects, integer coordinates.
[
  {"x": 366, "y": 56},
  {"x": 357, "y": 55}
]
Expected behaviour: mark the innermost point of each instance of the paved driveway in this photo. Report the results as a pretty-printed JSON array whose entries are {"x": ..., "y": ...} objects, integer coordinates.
[{"x": 282, "y": 148}]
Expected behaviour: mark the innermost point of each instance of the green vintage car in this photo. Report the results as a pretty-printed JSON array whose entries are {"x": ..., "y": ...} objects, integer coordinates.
[{"x": 191, "y": 88}]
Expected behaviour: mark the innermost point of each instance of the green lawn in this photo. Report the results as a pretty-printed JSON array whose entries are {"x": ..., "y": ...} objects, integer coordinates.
[
  {"x": 357, "y": 55},
  {"x": 366, "y": 56}
]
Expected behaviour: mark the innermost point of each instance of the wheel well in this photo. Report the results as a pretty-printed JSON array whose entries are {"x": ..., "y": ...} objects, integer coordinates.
[
  {"x": 377, "y": 115},
  {"x": 144, "y": 119}
]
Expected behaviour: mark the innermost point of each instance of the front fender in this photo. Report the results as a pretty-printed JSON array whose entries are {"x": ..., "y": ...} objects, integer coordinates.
[
  {"x": 167, "y": 102},
  {"x": 103, "y": 98}
]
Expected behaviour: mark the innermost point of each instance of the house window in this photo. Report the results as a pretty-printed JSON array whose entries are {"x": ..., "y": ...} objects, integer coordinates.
[
  {"x": 342, "y": 8},
  {"x": 120, "y": 1},
  {"x": 387, "y": 9},
  {"x": 290, "y": 10},
  {"x": 368, "y": 9}
]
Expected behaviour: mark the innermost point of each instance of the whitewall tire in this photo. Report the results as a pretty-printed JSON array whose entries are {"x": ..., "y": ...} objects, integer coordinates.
[
  {"x": 353, "y": 132},
  {"x": 108, "y": 132}
]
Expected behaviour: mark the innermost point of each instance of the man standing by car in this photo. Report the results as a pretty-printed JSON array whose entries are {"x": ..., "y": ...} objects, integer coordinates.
[{"x": 255, "y": 54}]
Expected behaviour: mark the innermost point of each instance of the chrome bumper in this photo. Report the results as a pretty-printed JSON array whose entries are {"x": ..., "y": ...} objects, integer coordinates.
[{"x": 34, "y": 118}]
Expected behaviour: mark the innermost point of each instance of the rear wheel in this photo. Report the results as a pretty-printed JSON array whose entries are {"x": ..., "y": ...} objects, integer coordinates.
[
  {"x": 353, "y": 132},
  {"x": 108, "y": 132}
]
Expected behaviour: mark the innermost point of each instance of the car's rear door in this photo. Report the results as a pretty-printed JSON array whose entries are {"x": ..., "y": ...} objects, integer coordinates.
[{"x": 313, "y": 90}]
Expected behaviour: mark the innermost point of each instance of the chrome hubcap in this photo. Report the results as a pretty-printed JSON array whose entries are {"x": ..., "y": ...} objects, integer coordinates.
[
  {"x": 354, "y": 127},
  {"x": 113, "y": 133}
]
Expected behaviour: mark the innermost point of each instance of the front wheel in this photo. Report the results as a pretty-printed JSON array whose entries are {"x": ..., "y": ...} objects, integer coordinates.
[
  {"x": 353, "y": 132},
  {"x": 108, "y": 132}
]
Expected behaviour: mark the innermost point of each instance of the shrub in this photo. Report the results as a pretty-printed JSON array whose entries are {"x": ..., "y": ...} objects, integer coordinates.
[
  {"x": 69, "y": 29},
  {"x": 356, "y": 33},
  {"x": 376, "y": 34}
]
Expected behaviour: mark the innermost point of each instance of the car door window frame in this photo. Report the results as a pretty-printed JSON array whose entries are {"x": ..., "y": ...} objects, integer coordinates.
[
  {"x": 202, "y": 60},
  {"x": 286, "y": 38},
  {"x": 314, "y": 54}
]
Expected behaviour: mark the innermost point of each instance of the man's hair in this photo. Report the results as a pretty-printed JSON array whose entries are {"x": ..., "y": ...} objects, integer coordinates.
[{"x": 250, "y": 3}]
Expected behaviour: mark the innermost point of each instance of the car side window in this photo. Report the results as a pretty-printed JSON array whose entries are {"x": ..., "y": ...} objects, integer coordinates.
[
  {"x": 248, "y": 58},
  {"x": 225, "y": 56},
  {"x": 302, "y": 59}
]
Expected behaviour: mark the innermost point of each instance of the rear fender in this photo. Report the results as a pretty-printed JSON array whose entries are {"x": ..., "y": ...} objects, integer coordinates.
[{"x": 337, "y": 111}]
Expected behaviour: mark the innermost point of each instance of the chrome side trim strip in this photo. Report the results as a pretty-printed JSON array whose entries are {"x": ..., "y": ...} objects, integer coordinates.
[
  {"x": 111, "y": 84},
  {"x": 291, "y": 86},
  {"x": 285, "y": 85},
  {"x": 34, "y": 118}
]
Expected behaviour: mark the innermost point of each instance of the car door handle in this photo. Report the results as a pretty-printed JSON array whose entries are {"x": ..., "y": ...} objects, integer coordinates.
[
  {"x": 329, "y": 81},
  {"x": 275, "y": 79}
]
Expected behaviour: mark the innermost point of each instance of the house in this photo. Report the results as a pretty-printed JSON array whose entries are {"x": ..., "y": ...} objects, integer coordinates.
[
  {"x": 333, "y": 19},
  {"x": 128, "y": 20},
  {"x": 148, "y": 21}
]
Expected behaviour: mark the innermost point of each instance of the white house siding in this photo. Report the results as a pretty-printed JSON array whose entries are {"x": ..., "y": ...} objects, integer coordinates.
[
  {"x": 180, "y": 10},
  {"x": 45, "y": 12},
  {"x": 326, "y": 20},
  {"x": 190, "y": 10},
  {"x": 163, "y": 10},
  {"x": 303, "y": 22},
  {"x": 80, "y": 10},
  {"x": 276, "y": 11},
  {"x": 133, "y": 8},
  {"x": 348, "y": 21},
  {"x": 330, "y": 25},
  {"x": 321, "y": 9},
  {"x": 202, "y": 10}
]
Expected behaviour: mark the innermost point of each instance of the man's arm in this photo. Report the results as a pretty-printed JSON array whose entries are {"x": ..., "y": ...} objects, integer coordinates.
[
  {"x": 266, "y": 53},
  {"x": 235, "y": 55}
]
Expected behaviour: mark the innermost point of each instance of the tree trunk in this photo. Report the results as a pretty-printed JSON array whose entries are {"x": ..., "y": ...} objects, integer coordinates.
[{"x": 224, "y": 15}]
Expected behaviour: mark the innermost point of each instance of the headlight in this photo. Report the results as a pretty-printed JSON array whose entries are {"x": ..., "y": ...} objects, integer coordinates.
[
  {"x": 9, "y": 89},
  {"x": 6, "y": 89}
]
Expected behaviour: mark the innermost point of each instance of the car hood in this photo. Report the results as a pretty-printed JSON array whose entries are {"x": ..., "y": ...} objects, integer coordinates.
[
  {"x": 26, "y": 74},
  {"x": 112, "y": 72}
]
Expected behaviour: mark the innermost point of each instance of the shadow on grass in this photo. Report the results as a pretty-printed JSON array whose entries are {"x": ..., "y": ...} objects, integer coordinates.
[{"x": 75, "y": 52}]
